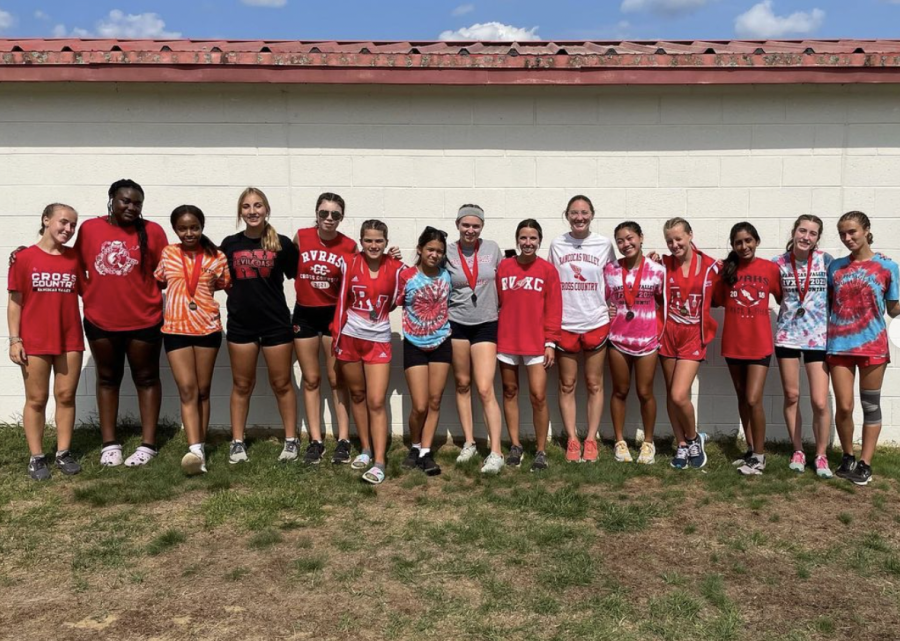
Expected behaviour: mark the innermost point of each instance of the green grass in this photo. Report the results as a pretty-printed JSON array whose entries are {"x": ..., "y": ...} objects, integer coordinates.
[{"x": 604, "y": 551}]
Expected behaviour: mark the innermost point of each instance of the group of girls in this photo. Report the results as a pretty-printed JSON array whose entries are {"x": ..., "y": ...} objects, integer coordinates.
[{"x": 465, "y": 307}]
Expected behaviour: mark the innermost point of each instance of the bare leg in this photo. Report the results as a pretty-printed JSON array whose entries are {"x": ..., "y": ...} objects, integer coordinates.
[
  {"x": 739, "y": 381},
  {"x": 568, "y": 376},
  {"x": 355, "y": 377},
  {"x": 594, "y": 364},
  {"x": 817, "y": 373},
  {"x": 790, "y": 386},
  {"x": 620, "y": 367},
  {"x": 484, "y": 367},
  {"x": 36, "y": 373},
  {"x": 109, "y": 363},
  {"x": 509, "y": 376},
  {"x": 205, "y": 358},
  {"x": 437, "y": 380},
  {"x": 462, "y": 372},
  {"x": 66, "y": 374},
  {"x": 537, "y": 392},
  {"x": 279, "y": 360},
  {"x": 184, "y": 370},
  {"x": 870, "y": 378},
  {"x": 842, "y": 379},
  {"x": 243, "y": 357},
  {"x": 311, "y": 380},
  {"x": 339, "y": 395},
  {"x": 377, "y": 378},
  {"x": 143, "y": 359},
  {"x": 644, "y": 373}
]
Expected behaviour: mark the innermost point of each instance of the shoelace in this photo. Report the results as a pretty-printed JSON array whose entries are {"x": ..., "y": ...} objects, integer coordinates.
[{"x": 693, "y": 449}]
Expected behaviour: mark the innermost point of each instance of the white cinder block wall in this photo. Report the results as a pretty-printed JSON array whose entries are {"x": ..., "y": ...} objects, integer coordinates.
[{"x": 411, "y": 156}]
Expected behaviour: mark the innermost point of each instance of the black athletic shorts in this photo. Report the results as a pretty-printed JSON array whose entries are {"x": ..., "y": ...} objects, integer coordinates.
[
  {"x": 171, "y": 342},
  {"x": 809, "y": 355},
  {"x": 269, "y": 338},
  {"x": 481, "y": 333},
  {"x": 414, "y": 356},
  {"x": 146, "y": 334},
  {"x": 310, "y": 322},
  {"x": 765, "y": 361}
]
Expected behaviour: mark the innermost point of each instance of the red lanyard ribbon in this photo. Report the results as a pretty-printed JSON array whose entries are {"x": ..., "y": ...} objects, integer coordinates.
[
  {"x": 193, "y": 280},
  {"x": 471, "y": 274},
  {"x": 686, "y": 286},
  {"x": 630, "y": 293},
  {"x": 801, "y": 292}
]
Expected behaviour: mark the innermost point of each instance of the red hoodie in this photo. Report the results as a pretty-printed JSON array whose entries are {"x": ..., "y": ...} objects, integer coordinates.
[
  {"x": 530, "y": 300},
  {"x": 710, "y": 272}
]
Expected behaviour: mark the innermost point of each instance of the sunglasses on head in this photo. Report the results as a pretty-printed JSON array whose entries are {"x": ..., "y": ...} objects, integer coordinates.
[{"x": 334, "y": 215}]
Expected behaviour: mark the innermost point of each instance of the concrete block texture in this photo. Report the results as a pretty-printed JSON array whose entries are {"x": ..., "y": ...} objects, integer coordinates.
[{"x": 412, "y": 155}]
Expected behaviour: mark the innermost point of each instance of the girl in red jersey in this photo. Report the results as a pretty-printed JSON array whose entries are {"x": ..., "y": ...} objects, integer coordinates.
[
  {"x": 529, "y": 328},
  {"x": 580, "y": 256},
  {"x": 747, "y": 341},
  {"x": 691, "y": 277},
  {"x": 45, "y": 335},
  {"x": 362, "y": 342},
  {"x": 259, "y": 259},
  {"x": 123, "y": 314},
  {"x": 192, "y": 271},
  {"x": 323, "y": 254}
]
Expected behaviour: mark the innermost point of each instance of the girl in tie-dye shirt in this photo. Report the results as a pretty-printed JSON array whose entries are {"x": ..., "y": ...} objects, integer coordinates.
[{"x": 634, "y": 290}]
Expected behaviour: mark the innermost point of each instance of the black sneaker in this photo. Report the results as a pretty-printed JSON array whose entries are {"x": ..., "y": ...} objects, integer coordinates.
[
  {"x": 314, "y": 452},
  {"x": 427, "y": 464},
  {"x": 540, "y": 462},
  {"x": 861, "y": 474},
  {"x": 67, "y": 463},
  {"x": 38, "y": 468},
  {"x": 696, "y": 453},
  {"x": 341, "y": 452},
  {"x": 411, "y": 461},
  {"x": 514, "y": 458},
  {"x": 848, "y": 463}
]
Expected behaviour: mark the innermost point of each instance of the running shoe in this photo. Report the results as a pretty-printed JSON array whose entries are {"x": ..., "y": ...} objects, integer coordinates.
[
  {"x": 237, "y": 453},
  {"x": 740, "y": 462},
  {"x": 314, "y": 452},
  {"x": 493, "y": 464},
  {"x": 822, "y": 469},
  {"x": 427, "y": 464},
  {"x": 848, "y": 462},
  {"x": 573, "y": 451},
  {"x": 66, "y": 463},
  {"x": 798, "y": 461},
  {"x": 754, "y": 467},
  {"x": 861, "y": 474},
  {"x": 648, "y": 454},
  {"x": 341, "y": 454},
  {"x": 696, "y": 451},
  {"x": 514, "y": 457},
  {"x": 622, "y": 453},
  {"x": 540, "y": 462},
  {"x": 467, "y": 452},
  {"x": 590, "y": 450},
  {"x": 680, "y": 460},
  {"x": 411, "y": 461},
  {"x": 38, "y": 468},
  {"x": 291, "y": 450},
  {"x": 193, "y": 464}
]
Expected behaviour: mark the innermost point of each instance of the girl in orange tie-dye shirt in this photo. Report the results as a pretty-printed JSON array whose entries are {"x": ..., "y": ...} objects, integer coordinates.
[{"x": 192, "y": 271}]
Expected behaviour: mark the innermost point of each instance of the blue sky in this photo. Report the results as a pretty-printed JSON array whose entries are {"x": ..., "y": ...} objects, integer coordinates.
[{"x": 455, "y": 19}]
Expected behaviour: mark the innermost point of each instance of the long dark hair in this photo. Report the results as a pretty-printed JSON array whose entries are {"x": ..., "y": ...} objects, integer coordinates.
[
  {"x": 805, "y": 218},
  {"x": 428, "y": 235},
  {"x": 729, "y": 271},
  {"x": 140, "y": 227},
  {"x": 209, "y": 247}
]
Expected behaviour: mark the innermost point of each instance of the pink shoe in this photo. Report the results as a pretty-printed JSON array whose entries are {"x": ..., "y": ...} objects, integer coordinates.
[
  {"x": 822, "y": 469},
  {"x": 798, "y": 462},
  {"x": 573, "y": 451},
  {"x": 590, "y": 450}
]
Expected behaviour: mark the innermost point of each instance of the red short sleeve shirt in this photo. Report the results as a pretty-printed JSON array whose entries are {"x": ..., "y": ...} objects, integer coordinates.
[{"x": 319, "y": 267}]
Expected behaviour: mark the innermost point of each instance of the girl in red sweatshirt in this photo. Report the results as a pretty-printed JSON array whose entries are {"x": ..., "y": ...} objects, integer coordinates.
[{"x": 529, "y": 326}]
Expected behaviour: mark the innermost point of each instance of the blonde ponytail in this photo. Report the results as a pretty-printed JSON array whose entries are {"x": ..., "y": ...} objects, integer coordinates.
[{"x": 270, "y": 240}]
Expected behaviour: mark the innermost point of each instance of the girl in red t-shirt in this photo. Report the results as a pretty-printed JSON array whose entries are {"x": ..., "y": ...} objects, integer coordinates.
[
  {"x": 529, "y": 326},
  {"x": 123, "y": 314},
  {"x": 323, "y": 253},
  {"x": 747, "y": 341},
  {"x": 45, "y": 335},
  {"x": 362, "y": 342},
  {"x": 192, "y": 270}
]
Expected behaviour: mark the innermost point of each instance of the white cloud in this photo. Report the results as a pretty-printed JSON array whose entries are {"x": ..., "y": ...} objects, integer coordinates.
[
  {"x": 761, "y": 22},
  {"x": 663, "y": 7},
  {"x": 491, "y": 31},
  {"x": 463, "y": 9},
  {"x": 275, "y": 4},
  {"x": 6, "y": 20},
  {"x": 119, "y": 25},
  {"x": 41, "y": 15}
]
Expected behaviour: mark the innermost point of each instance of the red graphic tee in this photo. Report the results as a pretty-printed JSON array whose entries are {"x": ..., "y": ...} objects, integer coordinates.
[
  {"x": 747, "y": 329},
  {"x": 49, "y": 284},
  {"x": 319, "y": 267}
]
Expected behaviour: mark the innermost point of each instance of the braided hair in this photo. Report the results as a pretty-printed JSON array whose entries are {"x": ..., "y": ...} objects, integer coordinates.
[{"x": 140, "y": 227}]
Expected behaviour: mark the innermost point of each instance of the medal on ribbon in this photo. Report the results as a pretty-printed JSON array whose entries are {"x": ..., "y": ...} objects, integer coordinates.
[
  {"x": 630, "y": 293},
  {"x": 801, "y": 292},
  {"x": 471, "y": 274},
  {"x": 191, "y": 281}
]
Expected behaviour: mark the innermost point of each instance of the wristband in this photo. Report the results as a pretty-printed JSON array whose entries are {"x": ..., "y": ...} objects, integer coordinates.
[
  {"x": 14, "y": 339},
  {"x": 550, "y": 344}
]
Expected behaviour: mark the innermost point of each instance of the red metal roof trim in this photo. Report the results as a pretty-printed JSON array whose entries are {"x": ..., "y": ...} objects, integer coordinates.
[{"x": 454, "y": 63}]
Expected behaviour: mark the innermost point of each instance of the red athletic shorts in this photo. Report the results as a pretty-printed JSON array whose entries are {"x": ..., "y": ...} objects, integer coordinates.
[
  {"x": 682, "y": 342},
  {"x": 849, "y": 361},
  {"x": 591, "y": 341},
  {"x": 354, "y": 350}
]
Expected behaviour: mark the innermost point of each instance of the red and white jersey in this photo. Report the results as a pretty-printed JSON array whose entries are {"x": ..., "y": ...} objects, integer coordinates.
[
  {"x": 530, "y": 306},
  {"x": 580, "y": 263},
  {"x": 319, "y": 267},
  {"x": 365, "y": 302}
]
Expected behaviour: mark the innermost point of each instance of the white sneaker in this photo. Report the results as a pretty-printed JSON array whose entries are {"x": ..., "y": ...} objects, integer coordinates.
[
  {"x": 237, "y": 453},
  {"x": 648, "y": 454},
  {"x": 493, "y": 464},
  {"x": 111, "y": 455},
  {"x": 290, "y": 451},
  {"x": 622, "y": 453},
  {"x": 193, "y": 464},
  {"x": 142, "y": 455},
  {"x": 753, "y": 467},
  {"x": 467, "y": 453}
]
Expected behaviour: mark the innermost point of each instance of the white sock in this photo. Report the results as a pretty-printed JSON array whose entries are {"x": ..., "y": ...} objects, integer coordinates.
[
  {"x": 198, "y": 450},
  {"x": 418, "y": 446},
  {"x": 423, "y": 451}
]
